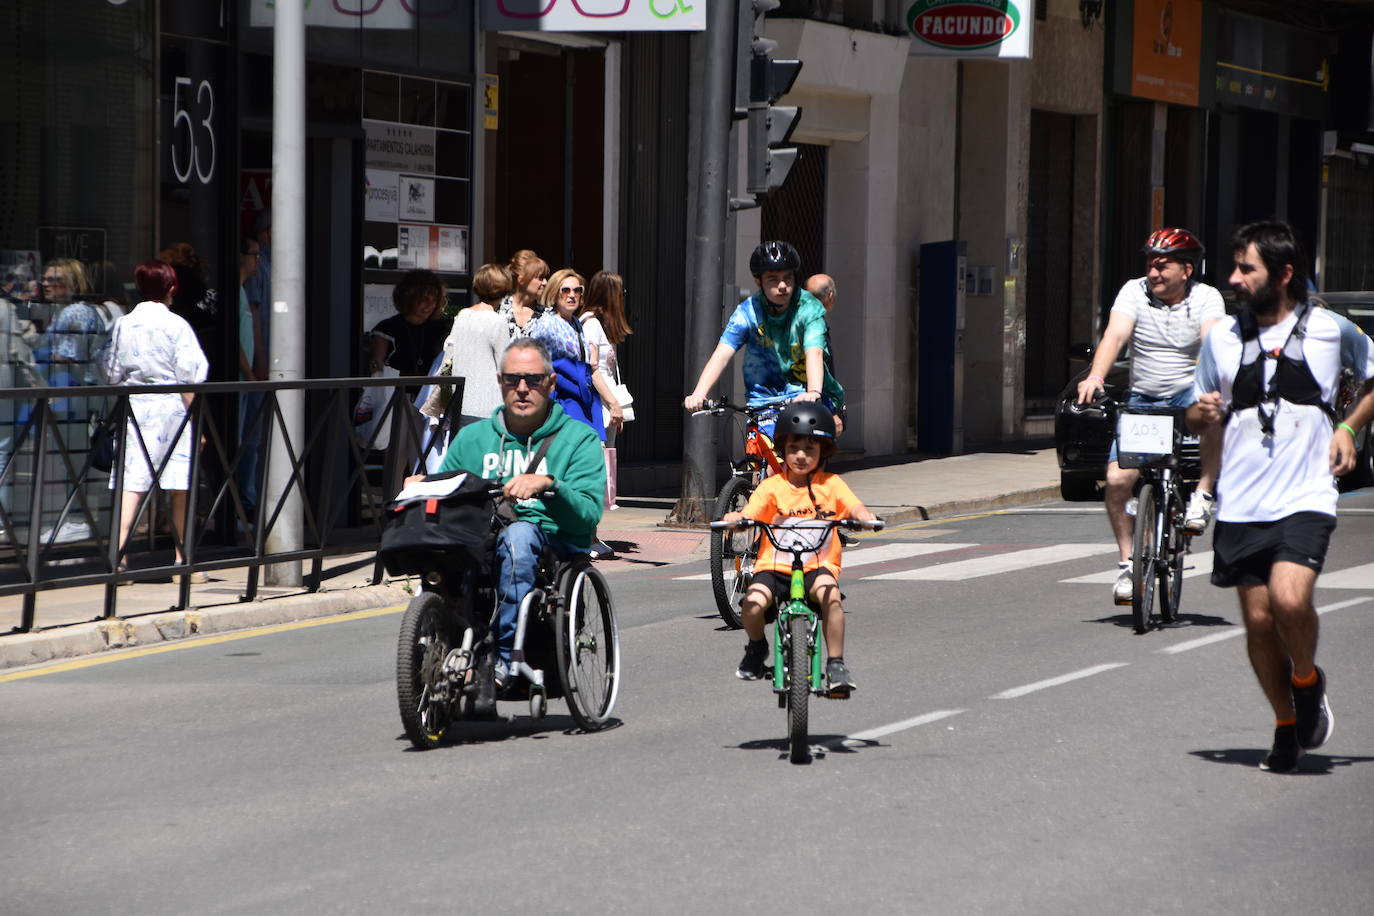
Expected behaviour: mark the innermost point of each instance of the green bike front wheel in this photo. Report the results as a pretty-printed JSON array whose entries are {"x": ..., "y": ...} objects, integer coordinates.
[{"x": 798, "y": 689}]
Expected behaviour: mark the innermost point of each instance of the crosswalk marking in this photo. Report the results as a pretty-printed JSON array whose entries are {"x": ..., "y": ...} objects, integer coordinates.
[
  {"x": 864, "y": 556},
  {"x": 998, "y": 563},
  {"x": 1198, "y": 564},
  {"x": 1354, "y": 577}
]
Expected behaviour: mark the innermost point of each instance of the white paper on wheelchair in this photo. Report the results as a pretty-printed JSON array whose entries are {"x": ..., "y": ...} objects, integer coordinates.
[{"x": 1145, "y": 434}]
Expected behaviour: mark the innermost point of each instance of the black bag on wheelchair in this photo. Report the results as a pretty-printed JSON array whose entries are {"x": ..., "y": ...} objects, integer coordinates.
[{"x": 448, "y": 521}]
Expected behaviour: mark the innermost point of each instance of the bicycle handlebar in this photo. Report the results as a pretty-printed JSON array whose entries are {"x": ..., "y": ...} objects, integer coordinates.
[
  {"x": 721, "y": 406},
  {"x": 853, "y": 524}
]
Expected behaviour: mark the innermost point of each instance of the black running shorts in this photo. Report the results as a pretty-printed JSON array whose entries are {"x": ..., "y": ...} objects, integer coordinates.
[
  {"x": 781, "y": 583},
  {"x": 1244, "y": 552}
]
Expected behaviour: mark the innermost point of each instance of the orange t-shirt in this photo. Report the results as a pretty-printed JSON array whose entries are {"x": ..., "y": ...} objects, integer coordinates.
[{"x": 777, "y": 502}]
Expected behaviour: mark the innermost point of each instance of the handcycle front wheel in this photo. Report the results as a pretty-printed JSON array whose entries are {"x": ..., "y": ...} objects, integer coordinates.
[
  {"x": 1145, "y": 554},
  {"x": 425, "y": 641},
  {"x": 587, "y": 643},
  {"x": 732, "y": 553},
  {"x": 798, "y": 689}
]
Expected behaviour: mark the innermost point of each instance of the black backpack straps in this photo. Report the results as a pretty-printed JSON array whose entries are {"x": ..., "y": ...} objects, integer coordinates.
[{"x": 539, "y": 453}]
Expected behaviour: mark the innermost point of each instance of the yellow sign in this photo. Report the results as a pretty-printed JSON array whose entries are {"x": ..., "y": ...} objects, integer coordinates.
[
  {"x": 491, "y": 104},
  {"x": 1166, "y": 53}
]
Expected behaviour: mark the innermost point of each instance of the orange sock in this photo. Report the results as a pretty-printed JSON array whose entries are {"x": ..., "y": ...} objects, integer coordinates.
[
  {"x": 1292, "y": 721},
  {"x": 1309, "y": 681}
]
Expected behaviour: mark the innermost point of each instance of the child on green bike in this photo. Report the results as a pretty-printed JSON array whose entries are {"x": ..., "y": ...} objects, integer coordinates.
[{"x": 805, "y": 438}]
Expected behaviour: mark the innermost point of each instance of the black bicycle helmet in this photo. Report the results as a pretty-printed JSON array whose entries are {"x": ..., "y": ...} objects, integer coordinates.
[
  {"x": 806, "y": 418},
  {"x": 774, "y": 256},
  {"x": 1175, "y": 244}
]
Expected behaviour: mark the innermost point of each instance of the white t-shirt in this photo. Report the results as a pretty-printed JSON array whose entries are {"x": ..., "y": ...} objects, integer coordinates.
[
  {"x": 1166, "y": 338},
  {"x": 605, "y": 354},
  {"x": 1269, "y": 477}
]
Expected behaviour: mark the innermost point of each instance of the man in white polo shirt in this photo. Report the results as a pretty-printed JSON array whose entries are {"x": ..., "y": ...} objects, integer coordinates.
[
  {"x": 1164, "y": 315},
  {"x": 1269, "y": 378}
]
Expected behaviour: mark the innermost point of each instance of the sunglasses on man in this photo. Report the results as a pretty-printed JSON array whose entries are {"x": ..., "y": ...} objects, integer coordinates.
[{"x": 532, "y": 379}]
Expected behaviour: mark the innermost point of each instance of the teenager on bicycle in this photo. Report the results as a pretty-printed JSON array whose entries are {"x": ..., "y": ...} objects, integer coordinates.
[
  {"x": 1164, "y": 315},
  {"x": 782, "y": 330},
  {"x": 805, "y": 490},
  {"x": 501, "y": 447}
]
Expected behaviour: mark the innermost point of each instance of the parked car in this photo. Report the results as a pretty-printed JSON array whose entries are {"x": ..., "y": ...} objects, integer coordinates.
[
  {"x": 1083, "y": 440},
  {"x": 1359, "y": 308}
]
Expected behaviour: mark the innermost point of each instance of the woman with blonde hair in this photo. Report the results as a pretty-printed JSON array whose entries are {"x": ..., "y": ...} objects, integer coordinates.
[
  {"x": 603, "y": 322},
  {"x": 561, "y": 333},
  {"x": 77, "y": 328},
  {"x": 521, "y": 308}
]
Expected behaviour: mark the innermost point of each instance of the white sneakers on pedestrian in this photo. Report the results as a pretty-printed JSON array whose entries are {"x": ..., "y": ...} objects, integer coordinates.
[
  {"x": 1201, "y": 506},
  {"x": 1123, "y": 592}
]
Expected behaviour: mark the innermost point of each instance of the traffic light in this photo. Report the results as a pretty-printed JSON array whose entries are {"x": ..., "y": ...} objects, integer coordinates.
[{"x": 770, "y": 125}]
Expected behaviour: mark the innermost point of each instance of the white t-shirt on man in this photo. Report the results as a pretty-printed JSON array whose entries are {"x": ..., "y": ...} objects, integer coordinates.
[
  {"x": 1266, "y": 477},
  {"x": 1167, "y": 338}
]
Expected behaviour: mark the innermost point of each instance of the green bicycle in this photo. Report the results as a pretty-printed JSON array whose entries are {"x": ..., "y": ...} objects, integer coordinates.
[{"x": 798, "y": 641}]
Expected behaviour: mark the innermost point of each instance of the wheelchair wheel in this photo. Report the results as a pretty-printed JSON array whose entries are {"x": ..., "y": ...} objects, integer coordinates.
[
  {"x": 588, "y": 647},
  {"x": 426, "y": 638}
]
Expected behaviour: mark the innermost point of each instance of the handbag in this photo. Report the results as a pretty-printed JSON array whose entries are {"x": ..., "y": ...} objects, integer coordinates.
[
  {"x": 104, "y": 443},
  {"x": 623, "y": 396}
]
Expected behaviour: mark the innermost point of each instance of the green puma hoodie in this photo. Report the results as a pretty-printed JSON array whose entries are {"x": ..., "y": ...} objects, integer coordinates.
[{"x": 574, "y": 461}]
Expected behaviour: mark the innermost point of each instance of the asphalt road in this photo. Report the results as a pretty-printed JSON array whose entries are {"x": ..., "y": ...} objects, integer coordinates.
[{"x": 1013, "y": 748}]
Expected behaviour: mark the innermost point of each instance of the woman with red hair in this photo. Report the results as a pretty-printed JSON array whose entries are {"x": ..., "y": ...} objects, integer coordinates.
[{"x": 153, "y": 346}]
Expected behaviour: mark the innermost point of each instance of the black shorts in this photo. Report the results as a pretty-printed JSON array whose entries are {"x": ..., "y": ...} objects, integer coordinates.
[
  {"x": 780, "y": 584},
  {"x": 1243, "y": 553}
]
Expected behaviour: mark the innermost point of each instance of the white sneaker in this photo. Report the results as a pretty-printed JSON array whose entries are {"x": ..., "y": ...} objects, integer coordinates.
[
  {"x": 1201, "y": 506},
  {"x": 1123, "y": 592}
]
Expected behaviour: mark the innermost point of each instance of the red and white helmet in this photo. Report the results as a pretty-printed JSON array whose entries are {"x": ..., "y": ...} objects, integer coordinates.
[{"x": 1175, "y": 244}]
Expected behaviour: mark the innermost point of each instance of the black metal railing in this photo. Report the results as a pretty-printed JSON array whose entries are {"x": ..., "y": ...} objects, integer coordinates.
[{"x": 60, "y": 517}]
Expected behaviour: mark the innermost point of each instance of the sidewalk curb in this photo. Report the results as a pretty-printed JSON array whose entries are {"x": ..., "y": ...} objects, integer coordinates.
[
  {"x": 905, "y": 514},
  {"x": 99, "y": 636}
]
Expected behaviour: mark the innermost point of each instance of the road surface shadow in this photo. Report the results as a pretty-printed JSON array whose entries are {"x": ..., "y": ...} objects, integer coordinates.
[
  {"x": 821, "y": 745},
  {"x": 1184, "y": 621},
  {"x": 1311, "y": 764},
  {"x": 494, "y": 731}
]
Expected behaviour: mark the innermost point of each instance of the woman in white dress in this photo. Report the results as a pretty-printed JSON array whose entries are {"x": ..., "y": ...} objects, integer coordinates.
[
  {"x": 153, "y": 346},
  {"x": 603, "y": 321}
]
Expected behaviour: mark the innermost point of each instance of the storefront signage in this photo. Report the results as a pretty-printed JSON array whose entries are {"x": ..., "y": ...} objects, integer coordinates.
[
  {"x": 1268, "y": 65},
  {"x": 86, "y": 244},
  {"x": 417, "y": 198},
  {"x": 192, "y": 142},
  {"x": 400, "y": 147},
  {"x": 595, "y": 15},
  {"x": 365, "y": 14},
  {"x": 970, "y": 28},
  {"x": 381, "y": 198},
  {"x": 1166, "y": 50},
  {"x": 432, "y": 247}
]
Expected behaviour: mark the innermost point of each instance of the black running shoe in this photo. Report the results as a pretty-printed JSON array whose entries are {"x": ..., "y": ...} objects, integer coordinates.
[
  {"x": 1284, "y": 757},
  {"x": 848, "y": 541},
  {"x": 838, "y": 681},
  {"x": 754, "y": 665},
  {"x": 1315, "y": 722}
]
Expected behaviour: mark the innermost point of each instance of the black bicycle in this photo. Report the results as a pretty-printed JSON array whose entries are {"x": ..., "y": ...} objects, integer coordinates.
[{"x": 1155, "y": 440}]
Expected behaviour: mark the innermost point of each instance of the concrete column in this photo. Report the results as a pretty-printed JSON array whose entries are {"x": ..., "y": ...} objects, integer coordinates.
[{"x": 288, "y": 272}]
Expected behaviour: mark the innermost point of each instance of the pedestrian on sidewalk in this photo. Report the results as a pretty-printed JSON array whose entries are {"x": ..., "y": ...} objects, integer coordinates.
[
  {"x": 605, "y": 326},
  {"x": 1267, "y": 383}
]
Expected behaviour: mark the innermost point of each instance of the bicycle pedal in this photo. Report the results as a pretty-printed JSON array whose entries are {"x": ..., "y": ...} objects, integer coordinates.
[
  {"x": 838, "y": 693},
  {"x": 1129, "y": 602}
]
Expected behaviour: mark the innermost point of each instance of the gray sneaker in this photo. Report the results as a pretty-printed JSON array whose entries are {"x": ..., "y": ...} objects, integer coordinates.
[
  {"x": 1123, "y": 591},
  {"x": 754, "y": 665}
]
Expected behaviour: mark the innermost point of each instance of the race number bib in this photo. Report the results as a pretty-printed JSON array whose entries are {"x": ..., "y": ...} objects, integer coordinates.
[{"x": 1145, "y": 434}]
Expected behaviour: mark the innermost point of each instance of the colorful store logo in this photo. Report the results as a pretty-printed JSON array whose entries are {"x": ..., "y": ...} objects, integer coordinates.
[{"x": 963, "y": 25}]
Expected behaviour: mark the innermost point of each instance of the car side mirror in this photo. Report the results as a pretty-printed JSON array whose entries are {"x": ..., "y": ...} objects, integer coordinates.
[{"x": 1080, "y": 351}]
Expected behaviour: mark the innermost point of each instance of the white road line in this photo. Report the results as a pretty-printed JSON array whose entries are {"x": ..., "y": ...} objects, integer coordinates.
[
  {"x": 882, "y": 730},
  {"x": 1354, "y": 577},
  {"x": 1240, "y": 630},
  {"x": 1015, "y": 692},
  {"x": 1199, "y": 564},
  {"x": 863, "y": 556},
  {"x": 999, "y": 563}
]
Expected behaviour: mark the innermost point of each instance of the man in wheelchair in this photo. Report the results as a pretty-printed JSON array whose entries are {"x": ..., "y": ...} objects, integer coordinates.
[{"x": 557, "y": 502}]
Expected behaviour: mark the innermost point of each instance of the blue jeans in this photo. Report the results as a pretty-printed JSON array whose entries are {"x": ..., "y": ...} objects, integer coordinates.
[
  {"x": 518, "y": 549},
  {"x": 250, "y": 450},
  {"x": 1184, "y": 398}
]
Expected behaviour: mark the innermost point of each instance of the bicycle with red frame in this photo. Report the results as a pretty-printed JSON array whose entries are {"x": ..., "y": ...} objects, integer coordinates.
[{"x": 733, "y": 552}]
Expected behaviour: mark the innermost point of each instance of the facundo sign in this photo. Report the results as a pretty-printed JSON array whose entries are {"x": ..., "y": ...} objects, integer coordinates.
[{"x": 968, "y": 28}]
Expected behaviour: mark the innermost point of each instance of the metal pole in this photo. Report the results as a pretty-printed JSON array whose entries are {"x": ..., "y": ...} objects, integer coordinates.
[
  {"x": 288, "y": 273},
  {"x": 696, "y": 503}
]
